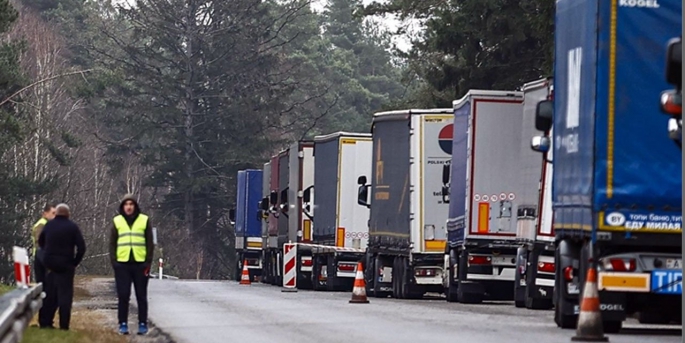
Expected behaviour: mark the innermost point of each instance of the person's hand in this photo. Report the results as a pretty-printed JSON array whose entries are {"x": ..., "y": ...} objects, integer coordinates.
[{"x": 146, "y": 271}]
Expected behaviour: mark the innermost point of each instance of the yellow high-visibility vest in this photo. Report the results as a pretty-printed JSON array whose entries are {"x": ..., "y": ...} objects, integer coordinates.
[
  {"x": 131, "y": 238},
  {"x": 41, "y": 221}
]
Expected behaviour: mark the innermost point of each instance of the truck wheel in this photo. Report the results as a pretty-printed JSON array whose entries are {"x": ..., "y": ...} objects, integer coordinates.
[
  {"x": 316, "y": 271},
  {"x": 238, "y": 270},
  {"x": 612, "y": 326},
  {"x": 451, "y": 291},
  {"x": 563, "y": 321},
  {"x": 396, "y": 279},
  {"x": 652, "y": 317},
  {"x": 538, "y": 304}
]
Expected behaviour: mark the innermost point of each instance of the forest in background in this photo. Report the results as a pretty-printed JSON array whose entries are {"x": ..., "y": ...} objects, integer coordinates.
[{"x": 168, "y": 99}]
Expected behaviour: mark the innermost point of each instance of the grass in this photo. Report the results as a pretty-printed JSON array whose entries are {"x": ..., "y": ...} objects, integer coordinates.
[
  {"x": 86, "y": 325},
  {"x": 5, "y": 288}
]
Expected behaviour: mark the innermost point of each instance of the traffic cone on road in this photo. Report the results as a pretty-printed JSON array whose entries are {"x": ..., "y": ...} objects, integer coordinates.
[
  {"x": 590, "y": 327},
  {"x": 359, "y": 290},
  {"x": 245, "y": 277}
]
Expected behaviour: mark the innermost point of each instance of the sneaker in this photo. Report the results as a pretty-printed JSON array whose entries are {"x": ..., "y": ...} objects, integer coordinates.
[
  {"x": 123, "y": 329},
  {"x": 142, "y": 328}
]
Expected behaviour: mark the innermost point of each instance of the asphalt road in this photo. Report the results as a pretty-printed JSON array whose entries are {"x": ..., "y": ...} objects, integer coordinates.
[{"x": 213, "y": 311}]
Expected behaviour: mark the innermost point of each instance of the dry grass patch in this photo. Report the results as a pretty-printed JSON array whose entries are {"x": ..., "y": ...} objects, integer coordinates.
[{"x": 86, "y": 326}]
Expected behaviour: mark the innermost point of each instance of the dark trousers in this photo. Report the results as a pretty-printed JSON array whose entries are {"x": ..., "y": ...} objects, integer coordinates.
[
  {"x": 124, "y": 275},
  {"x": 38, "y": 267},
  {"x": 59, "y": 293}
]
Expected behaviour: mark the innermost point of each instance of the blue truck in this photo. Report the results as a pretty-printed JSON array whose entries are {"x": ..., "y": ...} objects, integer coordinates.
[
  {"x": 247, "y": 220},
  {"x": 617, "y": 177}
]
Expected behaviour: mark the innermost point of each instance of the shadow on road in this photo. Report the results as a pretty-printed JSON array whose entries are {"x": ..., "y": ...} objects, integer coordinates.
[{"x": 651, "y": 332}]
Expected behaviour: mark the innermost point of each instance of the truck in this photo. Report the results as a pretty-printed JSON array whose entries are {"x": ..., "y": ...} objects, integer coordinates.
[
  {"x": 294, "y": 222},
  {"x": 534, "y": 278},
  {"x": 617, "y": 178},
  {"x": 493, "y": 187},
  {"x": 247, "y": 223},
  {"x": 270, "y": 208},
  {"x": 339, "y": 159},
  {"x": 268, "y": 213},
  {"x": 407, "y": 213}
]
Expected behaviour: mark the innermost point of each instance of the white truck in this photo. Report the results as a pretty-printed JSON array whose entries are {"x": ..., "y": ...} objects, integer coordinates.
[
  {"x": 340, "y": 158},
  {"x": 489, "y": 191},
  {"x": 407, "y": 217},
  {"x": 534, "y": 278}
]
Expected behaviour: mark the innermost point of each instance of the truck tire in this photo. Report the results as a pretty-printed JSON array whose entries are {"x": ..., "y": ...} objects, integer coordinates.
[
  {"x": 451, "y": 291},
  {"x": 463, "y": 295},
  {"x": 612, "y": 326},
  {"x": 561, "y": 305},
  {"x": 396, "y": 278},
  {"x": 316, "y": 271}
]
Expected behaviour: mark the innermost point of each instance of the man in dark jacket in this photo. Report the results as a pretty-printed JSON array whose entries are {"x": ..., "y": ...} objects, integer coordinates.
[
  {"x": 59, "y": 239},
  {"x": 38, "y": 268},
  {"x": 131, "y": 248}
]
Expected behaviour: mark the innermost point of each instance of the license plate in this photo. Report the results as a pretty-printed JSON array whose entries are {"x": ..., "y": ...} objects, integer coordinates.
[
  {"x": 572, "y": 288},
  {"x": 667, "y": 281},
  {"x": 674, "y": 263}
]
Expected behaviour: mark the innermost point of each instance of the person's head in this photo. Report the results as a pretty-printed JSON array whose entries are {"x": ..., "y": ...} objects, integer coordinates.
[
  {"x": 129, "y": 206},
  {"x": 62, "y": 210},
  {"x": 49, "y": 212}
]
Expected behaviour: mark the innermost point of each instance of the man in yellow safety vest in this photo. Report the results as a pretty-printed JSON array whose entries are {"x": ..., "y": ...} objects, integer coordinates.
[
  {"x": 38, "y": 267},
  {"x": 131, "y": 249}
]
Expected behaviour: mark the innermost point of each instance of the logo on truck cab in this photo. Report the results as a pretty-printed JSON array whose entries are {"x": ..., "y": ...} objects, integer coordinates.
[
  {"x": 445, "y": 138},
  {"x": 639, "y": 3}
]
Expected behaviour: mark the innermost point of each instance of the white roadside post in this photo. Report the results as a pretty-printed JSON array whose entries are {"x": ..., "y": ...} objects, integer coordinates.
[
  {"x": 21, "y": 266},
  {"x": 161, "y": 268}
]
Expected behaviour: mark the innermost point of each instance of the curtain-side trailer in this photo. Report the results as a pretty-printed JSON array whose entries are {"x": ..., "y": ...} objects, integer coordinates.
[
  {"x": 534, "y": 278},
  {"x": 340, "y": 159},
  {"x": 248, "y": 228},
  {"x": 271, "y": 273},
  {"x": 617, "y": 183},
  {"x": 489, "y": 192},
  {"x": 407, "y": 214}
]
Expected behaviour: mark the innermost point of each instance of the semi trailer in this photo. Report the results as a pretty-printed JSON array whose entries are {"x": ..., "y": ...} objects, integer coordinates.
[
  {"x": 534, "y": 278},
  {"x": 492, "y": 186},
  {"x": 296, "y": 176},
  {"x": 340, "y": 158},
  {"x": 272, "y": 271},
  {"x": 617, "y": 178},
  {"x": 247, "y": 223},
  {"x": 406, "y": 221}
]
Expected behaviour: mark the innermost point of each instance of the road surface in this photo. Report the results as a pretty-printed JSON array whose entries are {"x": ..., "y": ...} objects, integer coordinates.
[{"x": 213, "y": 311}]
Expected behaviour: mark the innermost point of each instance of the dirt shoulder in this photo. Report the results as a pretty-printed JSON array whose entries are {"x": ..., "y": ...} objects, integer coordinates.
[
  {"x": 100, "y": 299},
  {"x": 94, "y": 318}
]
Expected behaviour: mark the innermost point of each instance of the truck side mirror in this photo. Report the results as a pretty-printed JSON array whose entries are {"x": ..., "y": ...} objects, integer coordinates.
[
  {"x": 445, "y": 194},
  {"x": 307, "y": 194},
  {"x": 363, "y": 196},
  {"x": 543, "y": 115},
  {"x": 541, "y": 143},
  {"x": 284, "y": 201},
  {"x": 445, "y": 174},
  {"x": 273, "y": 198},
  {"x": 674, "y": 62},
  {"x": 361, "y": 180},
  {"x": 231, "y": 215}
]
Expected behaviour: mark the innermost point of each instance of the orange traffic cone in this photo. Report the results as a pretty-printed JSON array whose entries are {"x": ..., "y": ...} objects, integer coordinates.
[
  {"x": 245, "y": 277},
  {"x": 359, "y": 290},
  {"x": 590, "y": 327}
]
